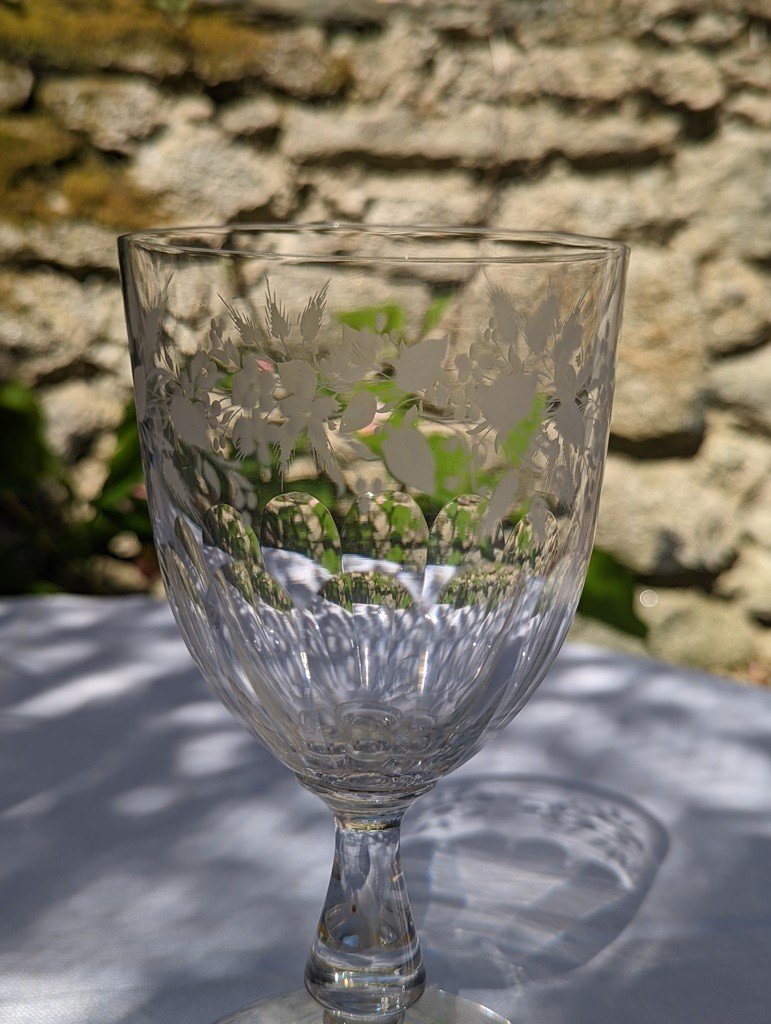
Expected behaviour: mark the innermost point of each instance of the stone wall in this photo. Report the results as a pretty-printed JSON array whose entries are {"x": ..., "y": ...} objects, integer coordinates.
[{"x": 647, "y": 120}]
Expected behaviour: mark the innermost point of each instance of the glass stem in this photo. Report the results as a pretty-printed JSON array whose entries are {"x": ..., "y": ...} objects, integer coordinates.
[{"x": 365, "y": 962}]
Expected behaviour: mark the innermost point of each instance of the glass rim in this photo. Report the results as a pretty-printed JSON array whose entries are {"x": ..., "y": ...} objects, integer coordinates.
[{"x": 572, "y": 247}]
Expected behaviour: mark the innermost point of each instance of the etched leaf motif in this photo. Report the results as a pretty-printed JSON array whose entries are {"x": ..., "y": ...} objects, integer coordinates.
[
  {"x": 189, "y": 421},
  {"x": 353, "y": 360},
  {"x": 541, "y": 326},
  {"x": 418, "y": 366},
  {"x": 253, "y": 434},
  {"x": 570, "y": 422},
  {"x": 503, "y": 497},
  {"x": 298, "y": 378},
  {"x": 508, "y": 400},
  {"x": 522, "y": 394},
  {"x": 245, "y": 325},
  {"x": 153, "y": 322},
  {"x": 410, "y": 459},
  {"x": 253, "y": 383},
  {"x": 569, "y": 338},
  {"x": 310, "y": 319},
  {"x": 359, "y": 414},
  {"x": 279, "y": 323},
  {"x": 507, "y": 320},
  {"x": 568, "y": 417}
]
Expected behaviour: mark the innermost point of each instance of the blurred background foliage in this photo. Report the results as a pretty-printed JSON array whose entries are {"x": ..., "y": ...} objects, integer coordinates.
[{"x": 49, "y": 541}]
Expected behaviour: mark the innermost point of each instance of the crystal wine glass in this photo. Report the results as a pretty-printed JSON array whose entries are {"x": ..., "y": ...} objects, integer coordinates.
[{"x": 373, "y": 460}]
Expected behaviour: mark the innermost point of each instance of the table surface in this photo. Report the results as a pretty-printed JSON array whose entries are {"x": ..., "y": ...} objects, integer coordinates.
[{"x": 157, "y": 865}]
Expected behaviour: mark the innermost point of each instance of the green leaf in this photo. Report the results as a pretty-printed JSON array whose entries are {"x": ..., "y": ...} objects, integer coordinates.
[
  {"x": 387, "y": 318},
  {"x": 25, "y": 456},
  {"x": 124, "y": 470}
]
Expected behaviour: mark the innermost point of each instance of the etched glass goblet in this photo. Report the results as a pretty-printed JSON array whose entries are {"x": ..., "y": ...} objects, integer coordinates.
[{"x": 373, "y": 459}]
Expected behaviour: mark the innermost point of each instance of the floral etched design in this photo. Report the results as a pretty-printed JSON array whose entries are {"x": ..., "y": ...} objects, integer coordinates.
[{"x": 262, "y": 385}]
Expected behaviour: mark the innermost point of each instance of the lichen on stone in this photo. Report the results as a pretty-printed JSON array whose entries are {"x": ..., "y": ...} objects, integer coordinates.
[
  {"x": 30, "y": 141},
  {"x": 103, "y": 192}
]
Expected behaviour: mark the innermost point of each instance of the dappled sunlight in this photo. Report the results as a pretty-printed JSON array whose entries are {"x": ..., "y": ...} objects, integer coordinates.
[
  {"x": 218, "y": 752},
  {"x": 144, "y": 800},
  {"x": 163, "y": 867}
]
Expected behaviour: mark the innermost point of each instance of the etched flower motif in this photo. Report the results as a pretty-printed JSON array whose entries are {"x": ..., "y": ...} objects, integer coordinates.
[{"x": 525, "y": 382}]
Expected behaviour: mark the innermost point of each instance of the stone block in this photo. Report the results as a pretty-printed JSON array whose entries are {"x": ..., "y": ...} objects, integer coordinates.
[
  {"x": 599, "y": 634},
  {"x": 251, "y": 116},
  {"x": 688, "y": 627},
  {"x": 481, "y": 135},
  {"x": 77, "y": 411},
  {"x": 737, "y": 302},
  {"x": 205, "y": 177},
  {"x": 661, "y": 519},
  {"x": 602, "y": 72},
  {"x": 757, "y": 521},
  {"x": 628, "y": 205},
  {"x": 748, "y": 582},
  {"x": 687, "y": 78},
  {"x": 744, "y": 383},
  {"x": 71, "y": 245},
  {"x": 50, "y": 323},
  {"x": 113, "y": 111},
  {"x": 733, "y": 460},
  {"x": 725, "y": 182},
  {"x": 16, "y": 83},
  {"x": 660, "y": 391}
]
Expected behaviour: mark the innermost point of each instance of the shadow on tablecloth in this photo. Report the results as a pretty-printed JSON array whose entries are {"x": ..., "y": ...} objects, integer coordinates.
[{"x": 157, "y": 866}]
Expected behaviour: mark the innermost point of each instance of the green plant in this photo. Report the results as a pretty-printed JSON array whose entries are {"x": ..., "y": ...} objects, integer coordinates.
[
  {"x": 33, "y": 490},
  {"x": 47, "y": 541},
  {"x": 608, "y": 594}
]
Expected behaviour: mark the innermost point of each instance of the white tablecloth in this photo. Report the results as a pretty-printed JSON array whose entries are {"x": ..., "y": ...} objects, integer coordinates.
[{"x": 157, "y": 865}]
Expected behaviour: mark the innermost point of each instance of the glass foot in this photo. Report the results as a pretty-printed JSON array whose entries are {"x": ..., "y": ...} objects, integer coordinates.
[{"x": 434, "y": 1007}]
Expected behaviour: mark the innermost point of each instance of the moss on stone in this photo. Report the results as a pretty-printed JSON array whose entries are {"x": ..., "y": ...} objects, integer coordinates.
[
  {"x": 102, "y": 192},
  {"x": 82, "y": 34},
  {"x": 78, "y": 35},
  {"x": 31, "y": 148},
  {"x": 30, "y": 141},
  {"x": 135, "y": 35},
  {"x": 222, "y": 50},
  {"x": 338, "y": 74},
  {"x": 37, "y": 181}
]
